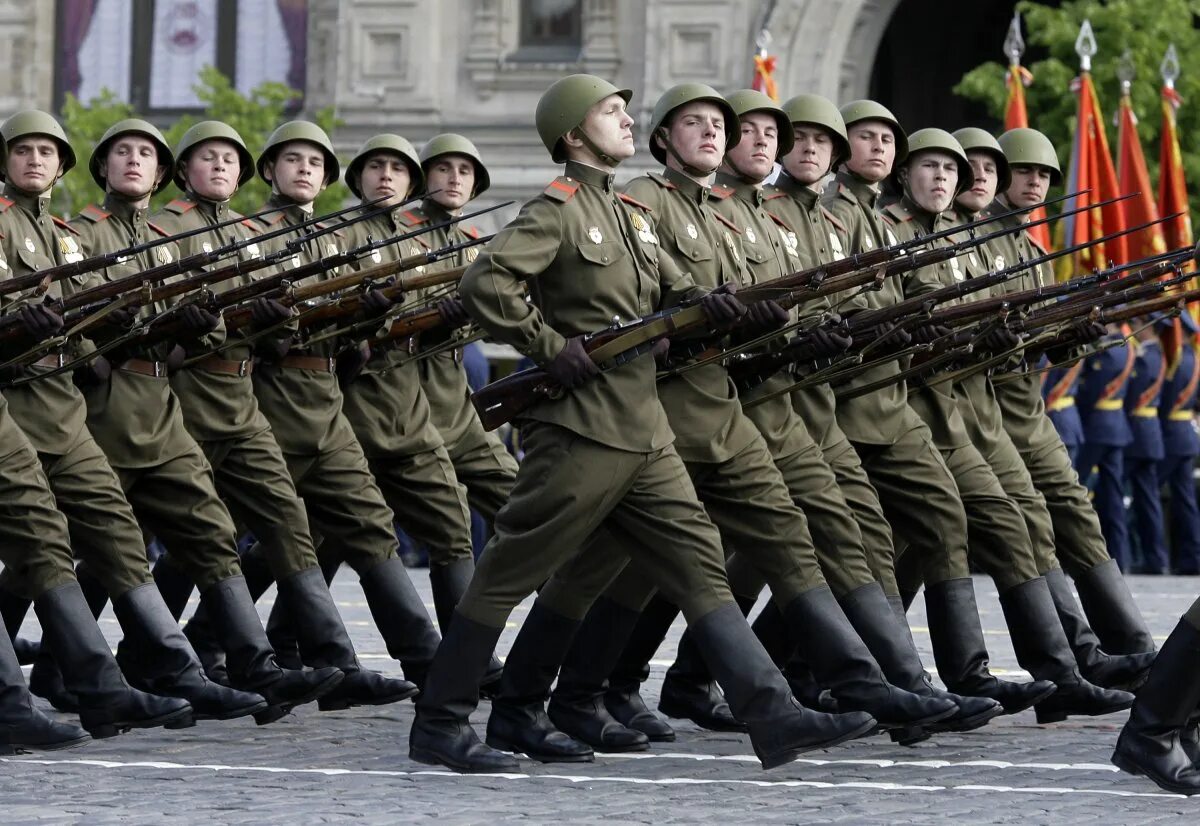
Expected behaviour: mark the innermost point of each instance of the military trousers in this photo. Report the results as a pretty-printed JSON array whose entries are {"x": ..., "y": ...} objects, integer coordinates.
[
  {"x": 1141, "y": 476},
  {"x": 569, "y": 487},
  {"x": 485, "y": 467},
  {"x": 1102, "y": 467},
  {"x": 1177, "y": 473}
]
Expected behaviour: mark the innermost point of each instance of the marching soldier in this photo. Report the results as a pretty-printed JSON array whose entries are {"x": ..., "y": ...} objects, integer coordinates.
[
  {"x": 1180, "y": 442},
  {"x": 1059, "y": 386},
  {"x": 1145, "y": 453}
]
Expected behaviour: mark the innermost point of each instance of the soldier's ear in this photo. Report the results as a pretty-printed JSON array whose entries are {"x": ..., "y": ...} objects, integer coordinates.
[{"x": 660, "y": 137}]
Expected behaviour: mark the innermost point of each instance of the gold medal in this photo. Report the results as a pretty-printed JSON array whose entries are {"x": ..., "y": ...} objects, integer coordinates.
[{"x": 472, "y": 254}]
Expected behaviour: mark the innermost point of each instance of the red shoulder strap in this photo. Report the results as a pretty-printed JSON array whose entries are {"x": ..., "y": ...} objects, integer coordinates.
[
  {"x": 157, "y": 229},
  {"x": 561, "y": 189},
  {"x": 730, "y": 224},
  {"x": 634, "y": 201},
  {"x": 181, "y": 206},
  {"x": 64, "y": 225},
  {"x": 95, "y": 213}
]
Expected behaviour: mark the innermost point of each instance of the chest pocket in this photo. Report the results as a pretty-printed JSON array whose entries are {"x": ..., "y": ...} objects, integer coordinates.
[
  {"x": 693, "y": 249},
  {"x": 33, "y": 261},
  {"x": 757, "y": 252},
  {"x": 604, "y": 254}
]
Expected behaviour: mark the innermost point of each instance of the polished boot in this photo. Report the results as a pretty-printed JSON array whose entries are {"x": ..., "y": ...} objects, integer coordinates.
[
  {"x": 401, "y": 617},
  {"x": 577, "y": 705},
  {"x": 886, "y": 635},
  {"x": 1150, "y": 741},
  {"x": 107, "y": 704},
  {"x": 280, "y": 631},
  {"x": 252, "y": 665},
  {"x": 961, "y": 654},
  {"x": 518, "y": 722},
  {"x": 624, "y": 698},
  {"x": 780, "y": 728},
  {"x": 771, "y": 628},
  {"x": 449, "y": 582},
  {"x": 23, "y": 727},
  {"x": 1042, "y": 650},
  {"x": 155, "y": 657},
  {"x": 441, "y": 732},
  {"x": 1114, "y": 615},
  {"x": 45, "y": 679},
  {"x": 1123, "y": 671},
  {"x": 324, "y": 642},
  {"x": 840, "y": 660},
  {"x": 25, "y": 650},
  {"x": 174, "y": 583},
  {"x": 13, "y": 610}
]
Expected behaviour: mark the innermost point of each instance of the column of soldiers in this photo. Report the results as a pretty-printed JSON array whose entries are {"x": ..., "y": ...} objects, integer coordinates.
[{"x": 285, "y": 375}]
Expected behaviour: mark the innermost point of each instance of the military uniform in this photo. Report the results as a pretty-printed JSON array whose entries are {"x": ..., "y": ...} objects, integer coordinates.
[
  {"x": 1177, "y": 412},
  {"x": 1059, "y": 386},
  {"x": 1144, "y": 454}
]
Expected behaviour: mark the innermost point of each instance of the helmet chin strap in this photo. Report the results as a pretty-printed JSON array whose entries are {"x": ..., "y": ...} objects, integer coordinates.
[
  {"x": 593, "y": 148},
  {"x": 690, "y": 170},
  {"x": 742, "y": 176}
]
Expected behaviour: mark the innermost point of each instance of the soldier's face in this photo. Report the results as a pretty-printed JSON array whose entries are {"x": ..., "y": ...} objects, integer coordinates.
[
  {"x": 451, "y": 180},
  {"x": 983, "y": 190},
  {"x": 385, "y": 175},
  {"x": 131, "y": 167},
  {"x": 212, "y": 169},
  {"x": 298, "y": 171},
  {"x": 1029, "y": 185},
  {"x": 754, "y": 155},
  {"x": 609, "y": 127},
  {"x": 872, "y": 150},
  {"x": 33, "y": 164},
  {"x": 697, "y": 135},
  {"x": 931, "y": 180},
  {"x": 810, "y": 159}
]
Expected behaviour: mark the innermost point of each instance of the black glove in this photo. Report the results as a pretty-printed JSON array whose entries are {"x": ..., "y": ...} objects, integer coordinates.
[
  {"x": 351, "y": 362},
  {"x": 268, "y": 312},
  {"x": 572, "y": 366},
  {"x": 94, "y": 373},
  {"x": 1085, "y": 331},
  {"x": 121, "y": 318},
  {"x": 375, "y": 303},
  {"x": 661, "y": 352},
  {"x": 40, "y": 322},
  {"x": 195, "y": 323},
  {"x": 176, "y": 358},
  {"x": 1000, "y": 340},
  {"x": 764, "y": 317},
  {"x": 453, "y": 312},
  {"x": 721, "y": 307},
  {"x": 929, "y": 333},
  {"x": 821, "y": 343}
]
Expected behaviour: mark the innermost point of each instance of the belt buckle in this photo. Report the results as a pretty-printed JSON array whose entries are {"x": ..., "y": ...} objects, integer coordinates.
[
  {"x": 159, "y": 369},
  {"x": 330, "y": 362},
  {"x": 411, "y": 345},
  {"x": 242, "y": 368}
]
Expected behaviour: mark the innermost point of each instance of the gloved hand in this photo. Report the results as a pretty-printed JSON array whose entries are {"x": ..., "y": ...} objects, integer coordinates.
[
  {"x": 351, "y": 362},
  {"x": 94, "y": 373},
  {"x": 1000, "y": 340},
  {"x": 572, "y": 366},
  {"x": 764, "y": 316},
  {"x": 453, "y": 312},
  {"x": 175, "y": 358},
  {"x": 929, "y": 333},
  {"x": 375, "y": 303},
  {"x": 268, "y": 312},
  {"x": 197, "y": 322},
  {"x": 40, "y": 322},
  {"x": 661, "y": 352},
  {"x": 721, "y": 305},
  {"x": 821, "y": 343},
  {"x": 1086, "y": 331},
  {"x": 121, "y": 318}
]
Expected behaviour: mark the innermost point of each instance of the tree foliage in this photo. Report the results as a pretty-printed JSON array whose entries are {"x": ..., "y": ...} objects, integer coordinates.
[
  {"x": 254, "y": 116},
  {"x": 1145, "y": 28}
]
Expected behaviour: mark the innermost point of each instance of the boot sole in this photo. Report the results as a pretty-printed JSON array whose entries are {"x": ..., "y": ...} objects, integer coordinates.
[
  {"x": 27, "y": 748},
  {"x": 920, "y": 722},
  {"x": 1045, "y": 695},
  {"x": 541, "y": 757},
  {"x": 280, "y": 710},
  {"x": 431, "y": 758},
  {"x": 175, "y": 720},
  {"x": 790, "y": 755},
  {"x": 681, "y": 713},
  {"x": 910, "y": 735},
  {"x": 1129, "y": 767},
  {"x": 968, "y": 723},
  {"x": 1058, "y": 716},
  {"x": 234, "y": 713},
  {"x": 326, "y": 704}
]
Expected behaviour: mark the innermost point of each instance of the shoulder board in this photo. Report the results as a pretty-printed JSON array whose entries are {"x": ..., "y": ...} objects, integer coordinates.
[
  {"x": 5, "y": 204},
  {"x": 721, "y": 192},
  {"x": 846, "y": 192},
  {"x": 246, "y": 222},
  {"x": 661, "y": 180},
  {"x": 772, "y": 195},
  {"x": 469, "y": 230},
  {"x": 63, "y": 224},
  {"x": 561, "y": 189},
  {"x": 634, "y": 202},
  {"x": 779, "y": 221},
  {"x": 180, "y": 206},
  {"x": 271, "y": 220},
  {"x": 160, "y": 230},
  {"x": 94, "y": 213},
  {"x": 412, "y": 218},
  {"x": 897, "y": 212},
  {"x": 833, "y": 219},
  {"x": 326, "y": 225},
  {"x": 730, "y": 224}
]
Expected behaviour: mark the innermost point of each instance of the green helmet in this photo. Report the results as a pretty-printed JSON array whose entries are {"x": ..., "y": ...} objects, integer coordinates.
[
  {"x": 747, "y": 101},
  {"x": 1029, "y": 147},
  {"x": 300, "y": 130},
  {"x": 860, "y": 110},
  {"x": 564, "y": 105},
  {"x": 452, "y": 144},
  {"x": 974, "y": 139},
  {"x": 132, "y": 126},
  {"x": 683, "y": 94},
  {"x": 36, "y": 122},
  {"x": 393, "y": 144},
  {"x": 210, "y": 130},
  {"x": 929, "y": 140},
  {"x": 820, "y": 111}
]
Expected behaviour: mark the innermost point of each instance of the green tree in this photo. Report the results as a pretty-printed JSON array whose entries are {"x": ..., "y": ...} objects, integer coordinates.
[
  {"x": 1145, "y": 28},
  {"x": 254, "y": 116}
]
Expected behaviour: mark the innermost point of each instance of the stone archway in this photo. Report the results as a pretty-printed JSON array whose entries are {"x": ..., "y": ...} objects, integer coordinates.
[{"x": 830, "y": 48}]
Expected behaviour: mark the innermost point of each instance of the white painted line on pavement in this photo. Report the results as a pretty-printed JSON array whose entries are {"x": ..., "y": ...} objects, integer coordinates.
[
  {"x": 875, "y": 763},
  {"x": 577, "y": 778}
]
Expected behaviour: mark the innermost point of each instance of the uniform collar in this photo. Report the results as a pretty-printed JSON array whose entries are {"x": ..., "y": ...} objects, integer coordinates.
[
  {"x": 294, "y": 212},
  {"x": 694, "y": 191},
  {"x": 435, "y": 212},
  {"x": 803, "y": 193},
  {"x": 863, "y": 190},
  {"x": 118, "y": 206},
  {"x": 589, "y": 175},
  {"x": 38, "y": 205},
  {"x": 216, "y": 210},
  {"x": 925, "y": 219},
  {"x": 750, "y": 193}
]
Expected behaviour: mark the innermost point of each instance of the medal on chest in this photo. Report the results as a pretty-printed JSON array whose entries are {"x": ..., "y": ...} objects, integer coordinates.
[
  {"x": 690, "y": 229},
  {"x": 415, "y": 250},
  {"x": 732, "y": 246},
  {"x": 955, "y": 270},
  {"x": 750, "y": 236},
  {"x": 789, "y": 242},
  {"x": 69, "y": 249},
  {"x": 643, "y": 229},
  {"x": 835, "y": 245},
  {"x": 595, "y": 234}
]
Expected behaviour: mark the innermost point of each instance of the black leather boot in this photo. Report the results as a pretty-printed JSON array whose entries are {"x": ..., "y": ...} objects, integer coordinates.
[
  {"x": 624, "y": 698},
  {"x": 1123, "y": 671},
  {"x": 401, "y": 618},
  {"x": 324, "y": 642},
  {"x": 441, "y": 732},
  {"x": 1111, "y": 610},
  {"x": 252, "y": 665},
  {"x": 887, "y": 637},
  {"x": 961, "y": 654},
  {"x": 780, "y": 728},
  {"x": 577, "y": 704},
  {"x": 174, "y": 583},
  {"x": 13, "y": 610},
  {"x": 280, "y": 630},
  {"x": 23, "y": 727},
  {"x": 840, "y": 660},
  {"x": 155, "y": 657},
  {"x": 449, "y": 583},
  {"x": 1042, "y": 650},
  {"x": 107, "y": 704},
  {"x": 772, "y": 631},
  {"x": 518, "y": 722},
  {"x": 1150, "y": 741},
  {"x": 689, "y": 690}
]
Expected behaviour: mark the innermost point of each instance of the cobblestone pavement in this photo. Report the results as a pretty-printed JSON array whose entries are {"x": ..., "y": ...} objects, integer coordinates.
[{"x": 324, "y": 768}]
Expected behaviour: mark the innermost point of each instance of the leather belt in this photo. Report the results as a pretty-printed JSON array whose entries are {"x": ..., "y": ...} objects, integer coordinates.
[
  {"x": 51, "y": 361},
  {"x": 318, "y": 363},
  {"x": 1063, "y": 403},
  {"x": 154, "y": 369},
  {"x": 230, "y": 367},
  {"x": 1182, "y": 415},
  {"x": 1110, "y": 404},
  {"x": 1146, "y": 412}
]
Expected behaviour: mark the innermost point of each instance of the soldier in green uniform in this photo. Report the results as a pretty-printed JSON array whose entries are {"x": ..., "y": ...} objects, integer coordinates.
[
  {"x": 602, "y": 454},
  {"x": 982, "y": 417},
  {"x": 935, "y": 171},
  {"x": 1078, "y": 541},
  {"x": 906, "y": 474}
]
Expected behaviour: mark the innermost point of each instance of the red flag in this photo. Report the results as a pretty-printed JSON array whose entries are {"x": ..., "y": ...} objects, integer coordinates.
[
  {"x": 1015, "y": 115},
  {"x": 764, "y": 75},
  {"x": 1133, "y": 177}
]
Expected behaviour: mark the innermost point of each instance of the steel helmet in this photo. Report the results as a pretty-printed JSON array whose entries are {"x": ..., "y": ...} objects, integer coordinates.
[{"x": 132, "y": 126}]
